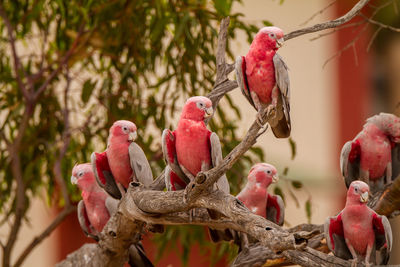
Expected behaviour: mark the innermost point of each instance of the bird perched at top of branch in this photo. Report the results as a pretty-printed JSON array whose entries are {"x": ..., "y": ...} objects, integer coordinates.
[
  {"x": 96, "y": 208},
  {"x": 263, "y": 78},
  {"x": 122, "y": 162},
  {"x": 192, "y": 148},
  {"x": 374, "y": 153},
  {"x": 358, "y": 232},
  {"x": 256, "y": 197}
]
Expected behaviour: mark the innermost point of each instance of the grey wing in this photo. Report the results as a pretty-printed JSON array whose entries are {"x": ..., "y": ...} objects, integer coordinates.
[
  {"x": 395, "y": 161},
  {"x": 350, "y": 171},
  {"x": 137, "y": 256},
  {"x": 111, "y": 205},
  {"x": 84, "y": 221},
  {"x": 140, "y": 165},
  {"x": 283, "y": 127},
  {"x": 383, "y": 241},
  {"x": 273, "y": 214},
  {"x": 216, "y": 158},
  {"x": 167, "y": 178},
  {"x": 240, "y": 67},
  {"x": 282, "y": 75},
  {"x": 170, "y": 157},
  {"x": 333, "y": 227}
]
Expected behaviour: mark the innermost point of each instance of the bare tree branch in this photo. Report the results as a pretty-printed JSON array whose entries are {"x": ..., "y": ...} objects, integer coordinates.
[
  {"x": 303, "y": 244},
  {"x": 330, "y": 24}
]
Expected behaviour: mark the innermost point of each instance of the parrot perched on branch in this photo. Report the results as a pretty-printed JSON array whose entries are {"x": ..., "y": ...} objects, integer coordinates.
[
  {"x": 358, "y": 232},
  {"x": 97, "y": 207},
  {"x": 122, "y": 162},
  {"x": 373, "y": 154},
  {"x": 263, "y": 78},
  {"x": 255, "y": 196},
  {"x": 192, "y": 148}
]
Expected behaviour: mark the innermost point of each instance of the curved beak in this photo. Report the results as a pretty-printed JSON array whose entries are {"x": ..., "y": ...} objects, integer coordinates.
[
  {"x": 74, "y": 180},
  {"x": 275, "y": 178},
  {"x": 364, "y": 197},
  {"x": 132, "y": 136},
  {"x": 279, "y": 42},
  {"x": 209, "y": 111}
]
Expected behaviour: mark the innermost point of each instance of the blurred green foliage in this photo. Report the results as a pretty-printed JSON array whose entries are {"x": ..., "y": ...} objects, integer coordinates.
[{"x": 135, "y": 60}]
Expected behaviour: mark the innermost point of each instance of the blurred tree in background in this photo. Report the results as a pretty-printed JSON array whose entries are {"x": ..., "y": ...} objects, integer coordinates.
[{"x": 69, "y": 69}]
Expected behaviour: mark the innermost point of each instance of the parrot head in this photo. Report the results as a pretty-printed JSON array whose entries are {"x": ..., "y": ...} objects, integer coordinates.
[
  {"x": 123, "y": 131},
  {"x": 358, "y": 193},
  {"x": 263, "y": 174},
  {"x": 197, "y": 108},
  {"x": 270, "y": 38},
  {"x": 82, "y": 175}
]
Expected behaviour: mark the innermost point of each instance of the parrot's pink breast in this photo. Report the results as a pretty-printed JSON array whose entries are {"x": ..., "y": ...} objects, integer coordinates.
[
  {"x": 357, "y": 227},
  {"x": 375, "y": 153},
  {"x": 96, "y": 209},
  {"x": 193, "y": 145},
  {"x": 260, "y": 72},
  {"x": 255, "y": 199},
  {"x": 118, "y": 158}
]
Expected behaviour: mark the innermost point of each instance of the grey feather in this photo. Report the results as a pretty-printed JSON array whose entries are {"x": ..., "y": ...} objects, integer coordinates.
[
  {"x": 110, "y": 186},
  {"x": 282, "y": 128},
  {"x": 216, "y": 158},
  {"x": 381, "y": 240},
  {"x": 241, "y": 79},
  {"x": 84, "y": 221},
  {"x": 350, "y": 171},
  {"x": 140, "y": 165},
  {"x": 395, "y": 161},
  {"x": 174, "y": 166},
  {"x": 271, "y": 212},
  {"x": 341, "y": 250},
  {"x": 111, "y": 205}
]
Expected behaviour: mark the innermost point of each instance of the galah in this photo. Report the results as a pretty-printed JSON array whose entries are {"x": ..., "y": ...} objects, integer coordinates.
[
  {"x": 256, "y": 197},
  {"x": 96, "y": 208},
  {"x": 192, "y": 148},
  {"x": 122, "y": 162},
  {"x": 263, "y": 78},
  {"x": 358, "y": 232},
  {"x": 374, "y": 153}
]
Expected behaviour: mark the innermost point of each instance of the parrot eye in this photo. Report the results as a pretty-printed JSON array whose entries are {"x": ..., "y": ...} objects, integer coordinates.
[
  {"x": 200, "y": 105},
  {"x": 272, "y": 35},
  {"x": 80, "y": 174},
  {"x": 356, "y": 189},
  {"x": 125, "y": 129},
  {"x": 269, "y": 172}
]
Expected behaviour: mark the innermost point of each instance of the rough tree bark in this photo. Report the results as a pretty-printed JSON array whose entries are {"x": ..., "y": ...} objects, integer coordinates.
[{"x": 142, "y": 207}]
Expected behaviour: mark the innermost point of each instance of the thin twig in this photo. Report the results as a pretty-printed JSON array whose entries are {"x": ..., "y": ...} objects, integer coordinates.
[
  {"x": 330, "y": 24},
  {"x": 318, "y": 13}
]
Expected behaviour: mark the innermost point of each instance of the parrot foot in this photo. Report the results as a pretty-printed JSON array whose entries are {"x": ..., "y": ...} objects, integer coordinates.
[
  {"x": 354, "y": 262},
  {"x": 367, "y": 264},
  {"x": 260, "y": 115},
  {"x": 271, "y": 111}
]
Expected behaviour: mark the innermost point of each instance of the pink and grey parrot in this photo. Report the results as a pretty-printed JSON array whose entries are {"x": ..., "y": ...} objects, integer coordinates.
[
  {"x": 263, "y": 78},
  {"x": 374, "y": 153},
  {"x": 358, "y": 232},
  {"x": 122, "y": 162},
  {"x": 192, "y": 148},
  {"x": 96, "y": 208},
  {"x": 255, "y": 195}
]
